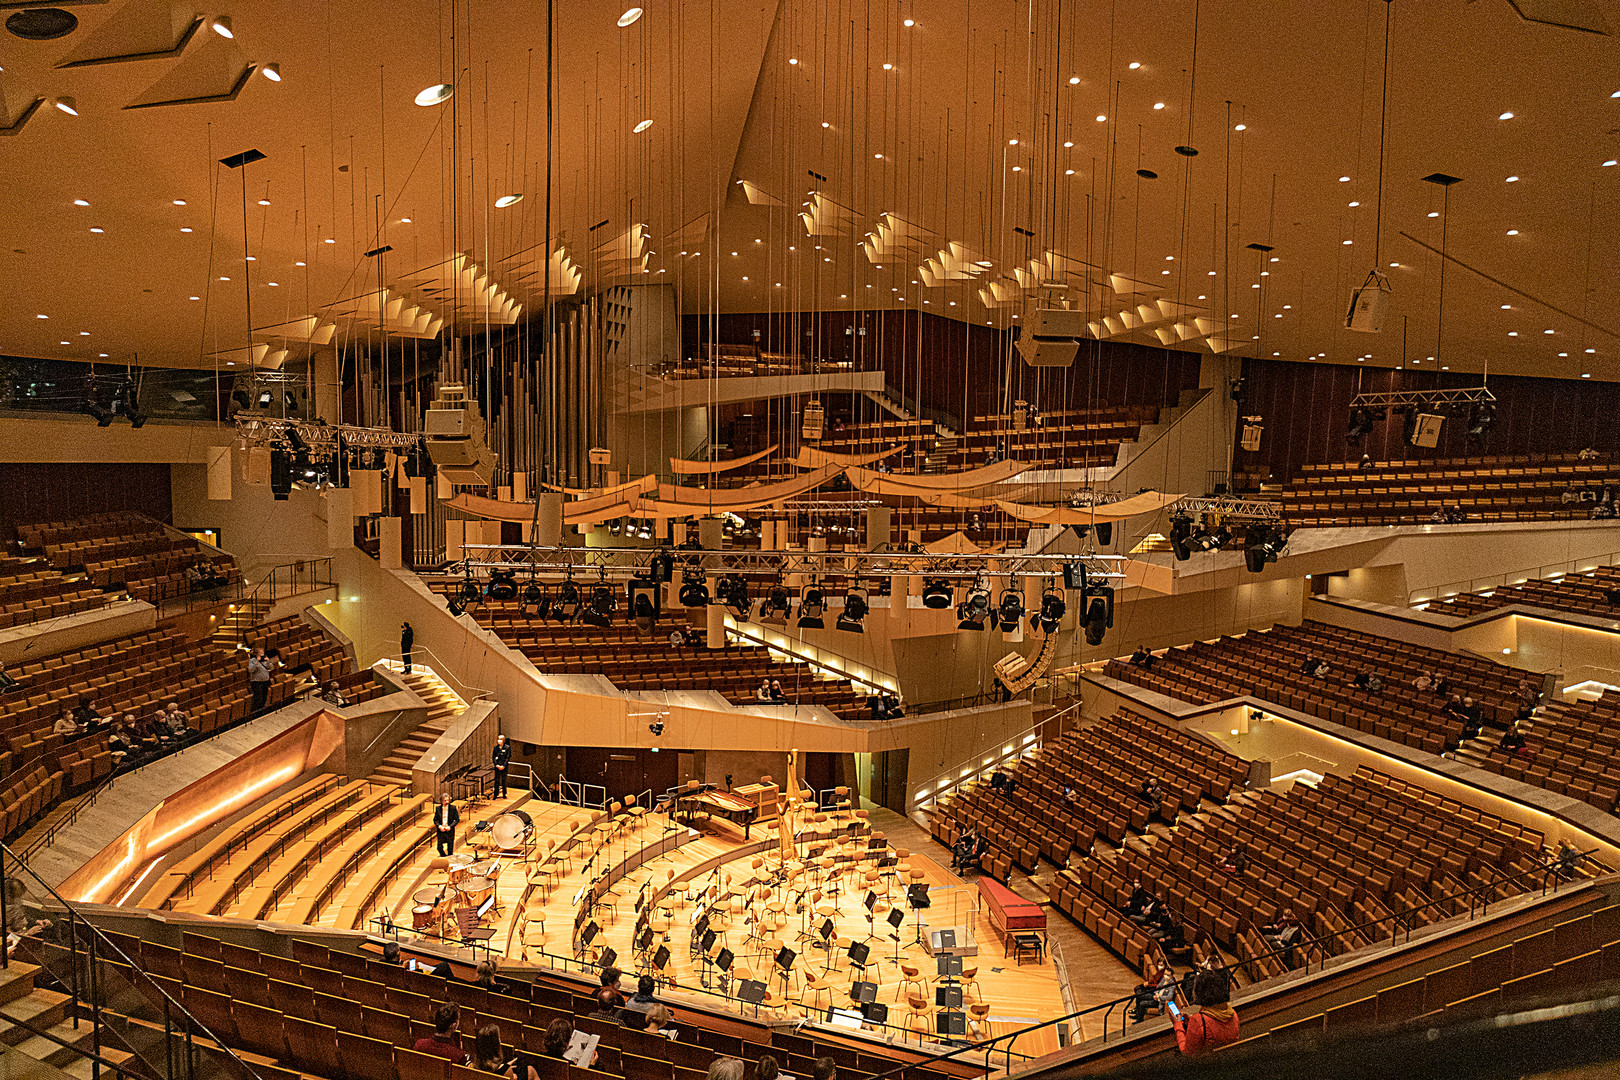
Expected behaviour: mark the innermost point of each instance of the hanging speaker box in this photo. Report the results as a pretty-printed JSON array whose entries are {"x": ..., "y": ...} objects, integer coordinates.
[{"x": 1369, "y": 304}]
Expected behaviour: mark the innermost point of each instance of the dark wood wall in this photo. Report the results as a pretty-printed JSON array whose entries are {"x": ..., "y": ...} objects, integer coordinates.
[
  {"x": 960, "y": 369},
  {"x": 35, "y": 492},
  {"x": 1305, "y": 408},
  {"x": 623, "y": 771}
]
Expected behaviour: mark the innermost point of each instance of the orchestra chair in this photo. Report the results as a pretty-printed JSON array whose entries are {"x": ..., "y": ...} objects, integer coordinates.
[
  {"x": 969, "y": 982},
  {"x": 978, "y": 1025},
  {"x": 818, "y": 996},
  {"x": 911, "y": 982},
  {"x": 919, "y": 1017}
]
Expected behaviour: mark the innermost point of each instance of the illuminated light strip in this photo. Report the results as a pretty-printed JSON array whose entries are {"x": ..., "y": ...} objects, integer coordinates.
[
  {"x": 95, "y": 890},
  {"x": 149, "y": 868},
  {"x": 220, "y": 807}
]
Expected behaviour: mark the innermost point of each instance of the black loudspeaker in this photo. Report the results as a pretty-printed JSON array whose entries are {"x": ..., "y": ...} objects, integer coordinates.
[
  {"x": 1254, "y": 557},
  {"x": 1105, "y": 533},
  {"x": 280, "y": 474}
]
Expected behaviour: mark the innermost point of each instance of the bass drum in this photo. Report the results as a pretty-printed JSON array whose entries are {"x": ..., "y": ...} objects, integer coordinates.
[{"x": 511, "y": 829}]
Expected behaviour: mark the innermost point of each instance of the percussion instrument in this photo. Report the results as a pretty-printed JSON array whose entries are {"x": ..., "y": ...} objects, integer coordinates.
[
  {"x": 487, "y": 868},
  {"x": 458, "y": 866},
  {"x": 475, "y": 890},
  {"x": 511, "y": 830},
  {"x": 422, "y": 916},
  {"x": 428, "y": 896}
]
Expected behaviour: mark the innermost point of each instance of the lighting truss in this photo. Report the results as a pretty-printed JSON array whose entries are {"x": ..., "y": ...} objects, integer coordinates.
[
  {"x": 321, "y": 438},
  {"x": 1096, "y": 497},
  {"x": 1472, "y": 395},
  {"x": 1229, "y": 508},
  {"x": 624, "y": 563}
]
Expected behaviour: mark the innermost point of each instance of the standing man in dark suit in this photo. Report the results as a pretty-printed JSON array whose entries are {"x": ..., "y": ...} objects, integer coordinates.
[
  {"x": 501, "y": 758},
  {"x": 407, "y": 638},
  {"x": 445, "y": 820}
]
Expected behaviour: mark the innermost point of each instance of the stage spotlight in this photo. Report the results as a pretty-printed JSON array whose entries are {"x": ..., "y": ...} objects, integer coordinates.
[
  {"x": 280, "y": 475},
  {"x": 103, "y": 417},
  {"x": 855, "y": 609},
  {"x": 468, "y": 593},
  {"x": 1262, "y": 546},
  {"x": 1362, "y": 422},
  {"x": 812, "y": 608},
  {"x": 536, "y": 601},
  {"x": 1052, "y": 608},
  {"x": 502, "y": 585},
  {"x": 1481, "y": 418},
  {"x": 973, "y": 610},
  {"x": 1010, "y": 610},
  {"x": 656, "y": 727},
  {"x": 1180, "y": 533},
  {"x": 776, "y": 603},
  {"x": 733, "y": 590},
  {"x": 694, "y": 592},
  {"x": 566, "y": 603},
  {"x": 936, "y": 593},
  {"x": 643, "y": 613},
  {"x": 1099, "y": 612},
  {"x": 599, "y": 611}
]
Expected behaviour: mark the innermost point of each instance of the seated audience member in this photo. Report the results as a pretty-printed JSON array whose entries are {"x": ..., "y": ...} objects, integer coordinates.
[
  {"x": 1566, "y": 860},
  {"x": 608, "y": 1001},
  {"x": 1308, "y": 665},
  {"x": 390, "y": 952},
  {"x": 1374, "y": 684},
  {"x": 1142, "y": 657},
  {"x": 1071, "y": 796},
  {"x": 1151, "y": 913},
  {"x": 825, "y": 1068},
  {"x": 1236, "y": 860},
  {"x": 332, "y": 694},
  {"x": 444, "y": 1042},
  {"x": 767, "y": 1068},
  {"x": 1283, "y": 934},
  {"x": 490, "y": 1056},
  {"x": 1138, "y": 901},
  {"x": 1513, "y": 740},
  {"x": 177, "y": 722},
  {"x": 118, "y": 742},
  {"x": 1151, "y": 994},
  {"x": 485, "y": 977},
  {"x": 1423, "y": 682},
  {"x": 1321, "y": 670},
  {"x": 1172, "y": 935},
  {"x": 1528, "y": 695},
  {"x": 86, "y": 713},
  {"x": 1152, "y": 791},
  {"x": 777, "y": 693},
  {"x": 764, "y": 691},
  {"x": 726, "y": 1068},
  {"x": 892, "y": 707},
  {"x": 65, "y": 725},
  {"x": 558, "y": 1036},
  {"x": 659, "y": 1020},
  {"x": 1215, "y": 1024},
  {"x": 1365, "y": 463},
  {"x": 644, "y": 991}
]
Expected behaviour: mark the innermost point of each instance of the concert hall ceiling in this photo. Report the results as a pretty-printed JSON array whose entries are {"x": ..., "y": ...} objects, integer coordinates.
[{"x": 992, "y": 133}]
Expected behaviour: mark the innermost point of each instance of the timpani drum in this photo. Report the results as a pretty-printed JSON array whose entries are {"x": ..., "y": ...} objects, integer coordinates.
[
  {"x": 459, "y": 866},
  {"x": 475, "y": 890},
  {"x": 511, "y": 829},
  {"x": 422, "y": 916}
]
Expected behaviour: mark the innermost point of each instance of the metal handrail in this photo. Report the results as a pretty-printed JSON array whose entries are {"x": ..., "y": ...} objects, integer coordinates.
[
  {"x": 735, "y": 628},
  {"x": 102, "y": 947},
  {"x": 442, "y": 669},
  {"x": 1023, "y": 742}
]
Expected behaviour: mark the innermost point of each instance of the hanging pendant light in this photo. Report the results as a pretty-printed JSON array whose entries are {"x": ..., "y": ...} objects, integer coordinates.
[{"x": 1369, "y": 303}]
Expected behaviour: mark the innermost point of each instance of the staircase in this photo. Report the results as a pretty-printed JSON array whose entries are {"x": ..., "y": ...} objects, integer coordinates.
[
  {"x": 237, "y": 627},
  {"x": 444, "y": 705},
  {"x": 938, "y": 459},
  {"x": 46, "y": 1010}
]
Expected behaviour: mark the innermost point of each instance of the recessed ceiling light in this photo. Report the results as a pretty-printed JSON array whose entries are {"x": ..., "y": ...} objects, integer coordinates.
[
  {"x": 888, "y": 67},
  {"x": 639, "y": 128},
  {"x": 1012, "y": 142},
  {"x": 1513, "y": 232},
  {"x": 793, "y": 59},
  {"x": 1591, "y": 350},
  {"x": 1240, "y": 127},
  {"x": 1507, "y": 307},
  {"x": 329, "y": 240},
  {"x": 1546, "y": 331},
  {"x": 1445, "y": 367},
  {"x": 273, "y": 284},
  {"x": 271, "y": 72},
  {"x": 745, "y": 277},
  {"x": 222, "y": 27},
  {"x": 1169, "y": 258},
  {"x": 1511, "y": 180},
  {"x": 404, "y": 221},
  {"x": 826, "y": 124},
  {"x": 84, "y": 333},
  {"x": 1135, "y": 64},
  {"x": 1563, "y": 354},
  {"x": 41, "y": 316},
  {"x": 1344, "y": 179},
  {"x": 630, "y": 15},
  {"x": 252, "y": 258},
  {"x": 1164, "y": 271},
  {"x": 1505, "y": 116},
  {"x": 1606, "y": 164},
  {"x": 1069, "y": 143},
  {"x": 1394, "y": 264},
  {"x": 1018, "y": 168},
  {"x": 80, "y": 202},
  {"x": 1158, "y": 104},
  {"x": 178, "y": 202},
  {"x": 1355, "y": 203},
  {"x": 298, "y": 264},
  {"x": 196, "y": 298},
  {"x": 1513, "y": 333},
  {"x": 62, "y": 343},
  {"x": 94, "y": 229},
  {"x": 1586, "y": 374},
  {"x": 1417, "y": 361},
  {"x": 1434, "y": 213},
  {"x": 68, "y": 105},
  {"x": 880, "y": 158},
  {"x": 435, "y": 94},
  {"x": 264, "y": 202},
  {"x": 911, "y": 22},
  {"x": 1068, "y": 172},
  {"x": 1074, "y": 80},
  {"x": 1101, "y": 118},
  {"x": 1347, "y": 243}
]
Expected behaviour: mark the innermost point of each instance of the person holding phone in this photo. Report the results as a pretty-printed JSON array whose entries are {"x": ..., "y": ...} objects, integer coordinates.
[{"x": 1215, "y": 1024}]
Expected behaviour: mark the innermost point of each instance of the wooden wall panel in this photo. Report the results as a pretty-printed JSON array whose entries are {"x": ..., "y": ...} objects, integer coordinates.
[
  {"x": 34, "y": 492},
  {"x": 1306, "y": 410}
]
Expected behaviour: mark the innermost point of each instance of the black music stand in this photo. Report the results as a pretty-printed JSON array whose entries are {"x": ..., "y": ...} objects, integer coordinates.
[
  {"x": 859, "y": 952},
  {"x": 864, "y": 993},
  {"x": 610, "y": 956},
  {"x": 875, "y": 1012},
  {"x": 917, "y": 897},
  {"x": 951, "y": 1024},
  {"x": 753, "y": 992},
  {"x": 869, "y": 903},
  {"x": 784, "y": 966},
  {"x": 949, "y": 966},
  {"x": 586, "y": 936},
  {"x": 948, "y": 997},
  {"x": 660, "y": 959},
  {"x": 643, "y": 942},
  {"x": 896, "y": 919}
]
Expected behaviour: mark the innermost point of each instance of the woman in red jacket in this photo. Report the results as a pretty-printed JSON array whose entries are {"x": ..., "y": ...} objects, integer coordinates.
[{"x": 1215, "y": 1024}]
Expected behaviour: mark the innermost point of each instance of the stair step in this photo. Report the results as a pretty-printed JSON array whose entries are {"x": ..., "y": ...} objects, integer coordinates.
[
  {"x": 16, "y": 981},
  {"x": 49, "y": 1051},
  {"x": 42, "y": 1009},
  {"x": 84, "y": 1068}
]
